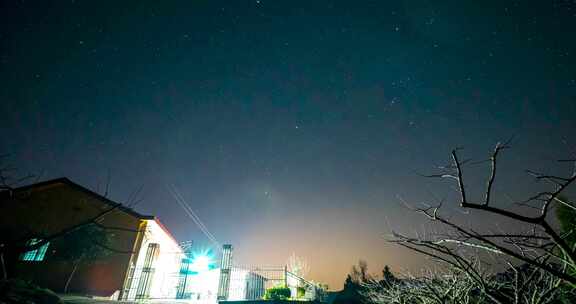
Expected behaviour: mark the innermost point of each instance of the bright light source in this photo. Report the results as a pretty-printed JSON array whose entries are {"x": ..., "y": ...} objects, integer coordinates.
[{"x": 202, "y": 262}]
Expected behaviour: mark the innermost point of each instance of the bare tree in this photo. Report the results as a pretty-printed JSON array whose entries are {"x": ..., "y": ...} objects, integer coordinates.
[
  {"x": 540, "y": 244},
  {"x": 519, "y": 285},
  {"x": 425, "y": 288},
  {"x": 7, "y": 184},
  {"x": 298, "y": 265}
]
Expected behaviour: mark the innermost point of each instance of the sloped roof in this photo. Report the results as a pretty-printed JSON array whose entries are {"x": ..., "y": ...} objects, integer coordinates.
[
  {"x": 66, "y": 181},
  {"x": 168, "y": 233}
]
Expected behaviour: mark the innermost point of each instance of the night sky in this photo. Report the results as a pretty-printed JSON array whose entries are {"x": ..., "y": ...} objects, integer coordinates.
[{"x": 289, "y": 126}]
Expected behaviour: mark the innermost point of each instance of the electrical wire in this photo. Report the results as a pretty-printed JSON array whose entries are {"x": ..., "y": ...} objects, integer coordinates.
[{"x": 192, "y": 215}]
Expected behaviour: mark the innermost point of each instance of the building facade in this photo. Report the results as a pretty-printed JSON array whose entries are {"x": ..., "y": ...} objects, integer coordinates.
[
  {"x": 142, "y": 256},
  {"x": 152, "y": 273}
]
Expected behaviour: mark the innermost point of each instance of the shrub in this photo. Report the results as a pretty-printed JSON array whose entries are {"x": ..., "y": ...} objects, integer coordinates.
[
  {"x": 277, "y": 293},
  {"x": 301, "y": 291}
]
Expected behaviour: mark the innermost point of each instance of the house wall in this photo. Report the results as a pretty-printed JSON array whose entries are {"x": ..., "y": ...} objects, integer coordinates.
[
  {"x": 203, "y": 287},
  {"x": 51, "y": 208},
  {"x": 166, "y": 265}
]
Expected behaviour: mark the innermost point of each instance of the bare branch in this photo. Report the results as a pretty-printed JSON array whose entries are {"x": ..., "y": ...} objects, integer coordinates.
[
  {"x": 493, "y": 158},
  {"x": 459, "y": 172}
]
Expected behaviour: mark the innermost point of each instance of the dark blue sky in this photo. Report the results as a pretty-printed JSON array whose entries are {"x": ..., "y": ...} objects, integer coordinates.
[{"x": 288, "y": 125}]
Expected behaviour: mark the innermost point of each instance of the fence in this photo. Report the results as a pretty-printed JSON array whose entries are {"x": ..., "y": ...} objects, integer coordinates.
[
  {"x": 251, "y": 282},
  {"x": 246, "y": 282}
]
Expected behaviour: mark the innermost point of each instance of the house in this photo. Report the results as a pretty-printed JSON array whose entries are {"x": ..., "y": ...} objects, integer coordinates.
[{"x": 143, "y": 260}]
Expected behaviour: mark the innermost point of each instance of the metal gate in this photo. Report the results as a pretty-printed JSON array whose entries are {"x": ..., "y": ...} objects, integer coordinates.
[{"x": 251, "y": 282}]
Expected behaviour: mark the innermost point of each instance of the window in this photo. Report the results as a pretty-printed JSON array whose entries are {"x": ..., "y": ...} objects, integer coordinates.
[{"x": 36, "y": 254}]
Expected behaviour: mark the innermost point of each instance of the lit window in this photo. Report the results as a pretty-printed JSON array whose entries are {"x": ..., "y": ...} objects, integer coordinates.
[{"x": 36, "y": 254}]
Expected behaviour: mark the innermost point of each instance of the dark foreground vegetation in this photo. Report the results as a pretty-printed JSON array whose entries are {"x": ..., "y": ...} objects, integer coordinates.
[
  {"x": 518, "y": 284},
  {"x": 22, "y": 292}
]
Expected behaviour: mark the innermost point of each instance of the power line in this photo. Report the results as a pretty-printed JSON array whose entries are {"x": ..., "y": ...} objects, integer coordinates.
[
  {"x": 191, "y": 214},
  {"x": 180, "y": 200},
  {"x": 195, "y": 217}
]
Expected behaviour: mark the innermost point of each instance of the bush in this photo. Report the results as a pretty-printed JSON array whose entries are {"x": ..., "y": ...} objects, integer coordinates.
[
  {"x": 301, "y": 291},
  {"x": 277, "y": 293},
  {"x": 20, "y": 291}
]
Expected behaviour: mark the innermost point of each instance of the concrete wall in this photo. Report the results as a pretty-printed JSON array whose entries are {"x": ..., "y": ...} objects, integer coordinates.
[{"x": 166, "y": 265}]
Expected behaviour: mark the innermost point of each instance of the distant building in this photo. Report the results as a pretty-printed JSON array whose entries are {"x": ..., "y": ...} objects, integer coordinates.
[{"x": 145, "y": 261}]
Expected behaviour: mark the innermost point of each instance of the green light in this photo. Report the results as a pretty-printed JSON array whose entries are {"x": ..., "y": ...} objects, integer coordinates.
[{"x": 36, "y": 254}]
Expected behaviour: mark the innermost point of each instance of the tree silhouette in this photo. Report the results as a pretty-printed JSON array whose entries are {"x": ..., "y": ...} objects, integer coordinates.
[
  {"x": 388, "y": 277},
  {"x": 354, "y": 285},
  {"x": 82, "y": 246},
  {"x": 541, "y": 244}
]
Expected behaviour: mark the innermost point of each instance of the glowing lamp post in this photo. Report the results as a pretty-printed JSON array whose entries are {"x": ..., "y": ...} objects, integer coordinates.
[{"x": 201, "y": 263}]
